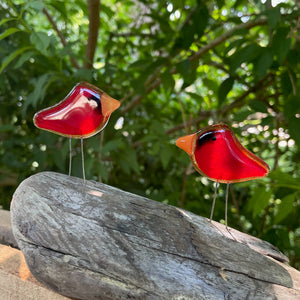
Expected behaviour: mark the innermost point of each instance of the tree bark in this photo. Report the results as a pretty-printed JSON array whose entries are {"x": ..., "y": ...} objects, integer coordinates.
[
  {"x": 94, "y": 23},
  {"x": 93, "y": 241}
]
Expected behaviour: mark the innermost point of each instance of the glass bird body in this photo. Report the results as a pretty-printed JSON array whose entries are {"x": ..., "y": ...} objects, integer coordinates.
[
  {"x": 83, "y": 113},
  {"x": 217, "y": 154}
]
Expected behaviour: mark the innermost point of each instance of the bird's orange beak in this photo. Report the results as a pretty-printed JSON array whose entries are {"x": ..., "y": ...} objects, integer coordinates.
[
  {"x": 186, "y": 143},
  {"x": 108, "y": 104}
]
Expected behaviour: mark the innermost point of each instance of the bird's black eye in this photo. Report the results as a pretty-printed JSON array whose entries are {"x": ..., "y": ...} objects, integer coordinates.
[
  {"x": 206, "y": 137},
  {"x": 96, "y": 98}
]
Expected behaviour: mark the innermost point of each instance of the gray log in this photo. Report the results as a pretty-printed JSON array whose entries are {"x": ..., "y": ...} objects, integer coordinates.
[
  {"x": 6, "y": 235},
  {"x": 93, "y": 241}
]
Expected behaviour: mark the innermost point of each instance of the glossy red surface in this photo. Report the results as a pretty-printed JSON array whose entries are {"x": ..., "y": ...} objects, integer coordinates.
[
  {"x": 217, "y": 154},
  {"x": 83, "y": 113}
]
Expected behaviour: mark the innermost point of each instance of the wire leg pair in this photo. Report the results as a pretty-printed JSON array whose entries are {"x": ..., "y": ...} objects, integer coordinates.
[
  {"x": 82, "y": 158},
  {"x": 214, "y": 201}
]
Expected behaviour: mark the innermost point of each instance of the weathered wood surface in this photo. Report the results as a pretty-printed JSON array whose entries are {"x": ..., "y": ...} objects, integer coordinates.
[
  {"x": 6, "y": 235},
  {"x": 93, "y": 241}
]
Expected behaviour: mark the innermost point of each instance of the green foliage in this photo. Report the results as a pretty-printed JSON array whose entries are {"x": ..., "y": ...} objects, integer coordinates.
[{"x": 177, "y": 66}]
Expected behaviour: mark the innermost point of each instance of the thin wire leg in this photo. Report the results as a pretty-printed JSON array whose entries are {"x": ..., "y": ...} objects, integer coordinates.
[
  {"x": 214, "y": 201},
  {"x": 226, "y": 204},
  {"x": 82, "y": 160},
  {"x": 70, "y": 156}
]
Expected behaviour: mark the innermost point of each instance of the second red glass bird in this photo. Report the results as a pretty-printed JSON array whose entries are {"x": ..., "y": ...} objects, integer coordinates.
[{"x": 216, "y": 153}]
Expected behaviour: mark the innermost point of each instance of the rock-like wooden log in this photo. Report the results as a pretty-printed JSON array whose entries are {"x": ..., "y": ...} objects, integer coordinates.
[{"x": 93, "y": 241}]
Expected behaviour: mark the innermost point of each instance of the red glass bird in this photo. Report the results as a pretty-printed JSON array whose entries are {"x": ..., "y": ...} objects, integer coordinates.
[
  {"x": 83, "y": 113},
  {"x": 216, "y": 153}
]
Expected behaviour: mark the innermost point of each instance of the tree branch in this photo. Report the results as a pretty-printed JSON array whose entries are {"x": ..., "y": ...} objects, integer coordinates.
[
  {"x": 94, "y": 23},
  {"x": 220, "y": 39},
  {"x": 223, "y": 110},
  {"x": 60, "y": 35},
  {"x": 195, "y": 56}
]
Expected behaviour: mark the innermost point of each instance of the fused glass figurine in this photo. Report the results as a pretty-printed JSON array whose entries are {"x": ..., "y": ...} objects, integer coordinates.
[
  {"x": 216, "y": 153},
  {"x": 83, "y": 113}
]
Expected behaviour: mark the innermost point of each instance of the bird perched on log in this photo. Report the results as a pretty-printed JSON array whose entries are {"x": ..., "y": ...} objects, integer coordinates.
[
  {"x": 83, "y": 113},
  {"x": 216, "y": 153}
]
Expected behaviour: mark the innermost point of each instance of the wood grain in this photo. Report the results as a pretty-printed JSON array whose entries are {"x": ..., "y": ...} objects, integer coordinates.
[{"x": 93, "y": 241}]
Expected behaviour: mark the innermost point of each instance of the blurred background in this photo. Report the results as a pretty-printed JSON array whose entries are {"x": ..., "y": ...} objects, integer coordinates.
[{"x": 176, "y": 66}]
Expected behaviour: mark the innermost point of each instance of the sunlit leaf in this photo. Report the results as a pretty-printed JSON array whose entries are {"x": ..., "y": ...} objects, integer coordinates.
[
  {"x": 5, "y": 20},
  {"x": 7, "y": 60},
  {"x": 8, "y": 32},
  {"x": 35, "y": 4}
]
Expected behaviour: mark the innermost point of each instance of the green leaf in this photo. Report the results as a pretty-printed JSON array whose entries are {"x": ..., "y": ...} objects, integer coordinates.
[
  {"x": 187, "y": 36},
  {"x": 107, "y": 10},
  {"x": 196, "y": 97},
  {"x": 211, "y": 84},
  {"x": 40, "y": 40},
  {"x": 286, "y": 84},
  {"x": 285, "y": 208},
  {"x": 40, "y": 86},
  {"x": 184, "y": 68},
  {"x": 284, "y": 179},
  {"x": 84, "y": 74},
  {"x": 7, "y": 60},
  {"x": 112, "y": 145},
  {"x": 35, "y": 4},
  {"x": 23, "y": 58},
  {"x": 6, "y": 127},
  {"x": 224, "y": 89},
  {"x": 294, "y": 125},
  {"x": 167, "y": 80},
  {"x": 246, "y": 54},
  {"x": 128, "y": 160},
  {"x": 274, "y": 16},
  {"x": 258, "y": 106},
  {"x": 242, "y": 114},
  {"x": 281, "y": 44},
  {"x": 263, "y": 63},
  {"x": 61, "y": 7},
  {"x": 139, "y": 85},
  {"x": 165, "y": 156},
  {"x": 5, "y": 20},
  {"x": 8, "y": 32},
  {"x": 239, "y": 3},
  {"x": 259, "y": 200},
  {"x": 157, "y": 128},
  {"x": 200, "y": 19},
  {"x": 59, "y": 159},
  {"x": 292, "y": 106}
]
